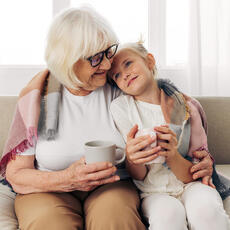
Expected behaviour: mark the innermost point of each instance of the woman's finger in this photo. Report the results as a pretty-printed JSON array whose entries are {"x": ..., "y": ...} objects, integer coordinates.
[
  {"x": 211, "y": 183},
  {"x": 104, "y": 181},
  {"x": 205, "y": 180},
  {"x": 200, "y": 154},
  {"x": 201, "y": 166},
  {"x": 95, "y": 167},
  {"x": 200, "y": 174},
  {"x": 208, "y": 181}
]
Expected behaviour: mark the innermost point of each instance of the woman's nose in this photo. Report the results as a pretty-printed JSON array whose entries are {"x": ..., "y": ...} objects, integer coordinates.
[{"x": 106, "y": 63}]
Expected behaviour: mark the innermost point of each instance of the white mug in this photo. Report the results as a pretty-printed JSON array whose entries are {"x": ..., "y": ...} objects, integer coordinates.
[
  {"x": 152, "y": 133},
  {"x": 103, "y": 151}
]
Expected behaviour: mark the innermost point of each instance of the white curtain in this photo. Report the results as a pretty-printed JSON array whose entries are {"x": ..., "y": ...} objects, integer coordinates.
[{"x": 208, "y": 69}]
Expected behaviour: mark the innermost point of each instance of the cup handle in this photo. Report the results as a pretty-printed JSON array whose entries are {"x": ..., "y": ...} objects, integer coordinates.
[{"x": 123, "y": 157}]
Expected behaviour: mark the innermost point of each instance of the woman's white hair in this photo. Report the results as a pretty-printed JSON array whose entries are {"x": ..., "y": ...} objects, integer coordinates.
[{"x": 75, "y": 34}]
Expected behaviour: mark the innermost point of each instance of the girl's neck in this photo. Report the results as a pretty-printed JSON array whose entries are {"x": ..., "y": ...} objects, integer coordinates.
[{"x": 151, "y": 94}]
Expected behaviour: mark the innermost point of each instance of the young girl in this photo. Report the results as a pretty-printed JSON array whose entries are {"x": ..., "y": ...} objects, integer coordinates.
[{"x": 171, "y": 198}]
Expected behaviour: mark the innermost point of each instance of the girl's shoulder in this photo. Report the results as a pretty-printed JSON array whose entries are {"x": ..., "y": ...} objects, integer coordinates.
[{"x": 122, "y": 100}]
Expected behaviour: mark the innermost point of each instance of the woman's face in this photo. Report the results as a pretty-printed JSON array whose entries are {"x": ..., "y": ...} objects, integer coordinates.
[
  {"x": 131, "y": 72},
  {"x": 92, "y": 77}
]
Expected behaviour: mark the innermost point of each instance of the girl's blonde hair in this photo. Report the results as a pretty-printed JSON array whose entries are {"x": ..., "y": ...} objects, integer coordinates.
[
  {"x": 75, "y": 34},
  {"x": 136, "y": 47}
]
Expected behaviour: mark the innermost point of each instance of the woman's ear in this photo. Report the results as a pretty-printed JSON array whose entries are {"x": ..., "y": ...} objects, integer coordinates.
[{"x": 151, "y": 61}]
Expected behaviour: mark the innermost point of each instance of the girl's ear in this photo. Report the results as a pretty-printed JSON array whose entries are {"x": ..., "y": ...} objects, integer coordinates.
[{"x": 151, "y": 61}]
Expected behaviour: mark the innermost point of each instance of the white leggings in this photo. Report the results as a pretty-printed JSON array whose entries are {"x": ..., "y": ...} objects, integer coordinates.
[{"x": 199, "y": 208}]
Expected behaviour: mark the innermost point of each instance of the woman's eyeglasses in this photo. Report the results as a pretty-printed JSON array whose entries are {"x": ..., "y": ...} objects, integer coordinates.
[{"x": 96, "y": 59}]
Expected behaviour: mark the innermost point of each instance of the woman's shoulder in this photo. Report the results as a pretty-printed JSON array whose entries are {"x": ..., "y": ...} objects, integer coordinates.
[{"x": 196, "y": 110}]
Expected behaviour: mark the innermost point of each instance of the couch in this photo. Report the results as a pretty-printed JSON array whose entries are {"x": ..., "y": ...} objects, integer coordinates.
[{"x": 218, "y": 115}]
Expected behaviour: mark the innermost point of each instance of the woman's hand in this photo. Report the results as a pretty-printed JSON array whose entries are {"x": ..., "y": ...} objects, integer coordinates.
[
  {"x": 134, "y": 148},
  {"x": 86, "y": 177},
  {"x": 204, "y": 168},
  {"x": 167, "y": 140}
]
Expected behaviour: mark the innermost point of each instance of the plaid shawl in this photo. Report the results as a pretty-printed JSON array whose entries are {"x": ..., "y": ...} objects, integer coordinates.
[
  {"x": 177, "y": 109},
  {"x": 37, "y": 111}
]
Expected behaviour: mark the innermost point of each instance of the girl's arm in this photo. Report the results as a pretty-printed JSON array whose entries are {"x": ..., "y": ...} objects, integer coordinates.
[
  {"x": 136, "y": 157},
  {"x": 178, "y": 164}
]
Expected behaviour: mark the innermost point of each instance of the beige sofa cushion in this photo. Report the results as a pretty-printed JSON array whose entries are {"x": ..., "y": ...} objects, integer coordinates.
[
  {"x": 217, "y": 110},
  {"x": 7, "y": 107}
]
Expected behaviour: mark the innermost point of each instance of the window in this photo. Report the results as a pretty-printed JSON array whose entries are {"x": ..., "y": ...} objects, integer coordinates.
[
  {"x": 24, "y": 27},
  {"x": 177, "y": 16},
  {"x": 128, "y": 18}
]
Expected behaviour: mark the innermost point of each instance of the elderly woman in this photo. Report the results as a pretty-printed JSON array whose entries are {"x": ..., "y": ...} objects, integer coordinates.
[{"x": 68, "y": 106}]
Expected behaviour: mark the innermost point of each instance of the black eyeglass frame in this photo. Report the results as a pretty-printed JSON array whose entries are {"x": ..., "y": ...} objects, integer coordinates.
[{"x": 105, "y": 52}]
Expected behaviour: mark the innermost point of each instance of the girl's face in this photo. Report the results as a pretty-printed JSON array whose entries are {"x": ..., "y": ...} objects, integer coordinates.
[{"x": 131, "y": 72}]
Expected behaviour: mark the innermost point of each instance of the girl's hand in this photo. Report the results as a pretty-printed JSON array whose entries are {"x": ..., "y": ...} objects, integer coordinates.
[
  {"x": 134, "y": 148},
  {"x": 167, "y": 140},
  {"x": 86, "y": 177}
]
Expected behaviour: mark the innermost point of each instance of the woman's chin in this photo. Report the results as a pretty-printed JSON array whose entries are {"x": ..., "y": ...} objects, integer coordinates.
[{"x": 97, "y": 84}]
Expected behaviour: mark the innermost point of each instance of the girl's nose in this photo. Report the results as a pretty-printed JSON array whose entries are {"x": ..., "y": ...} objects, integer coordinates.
[{"x": 126, "y": 76}]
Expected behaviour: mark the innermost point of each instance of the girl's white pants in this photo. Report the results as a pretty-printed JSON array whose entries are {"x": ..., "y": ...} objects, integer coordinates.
[{"x": 200, "y": 207}]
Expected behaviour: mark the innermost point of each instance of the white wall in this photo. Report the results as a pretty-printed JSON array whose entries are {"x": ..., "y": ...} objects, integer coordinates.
[{"x": 13, "y": 79}]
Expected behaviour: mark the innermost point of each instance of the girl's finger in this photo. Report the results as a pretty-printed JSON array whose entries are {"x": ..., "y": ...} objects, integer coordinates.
[
  {"x": 144, "y": 154},
  {"x": 137, "y": 140},
  {"x": 165, "y": 130},
  {"x": 162, "y": 153},
  {"x": 167, "y": 137},
  {"x": 132, "y": 132},
  {"x": 140, "y": 145},
  {"x": 146, "y": 159},
  {"x": 165, "y": 145}
]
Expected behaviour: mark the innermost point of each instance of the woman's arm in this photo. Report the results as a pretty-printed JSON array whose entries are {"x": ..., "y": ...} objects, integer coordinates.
[
  {"x": 25, "y": 179},
  {"x": 179, "y": 165},
  {"x": 204, "y": 168}
]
